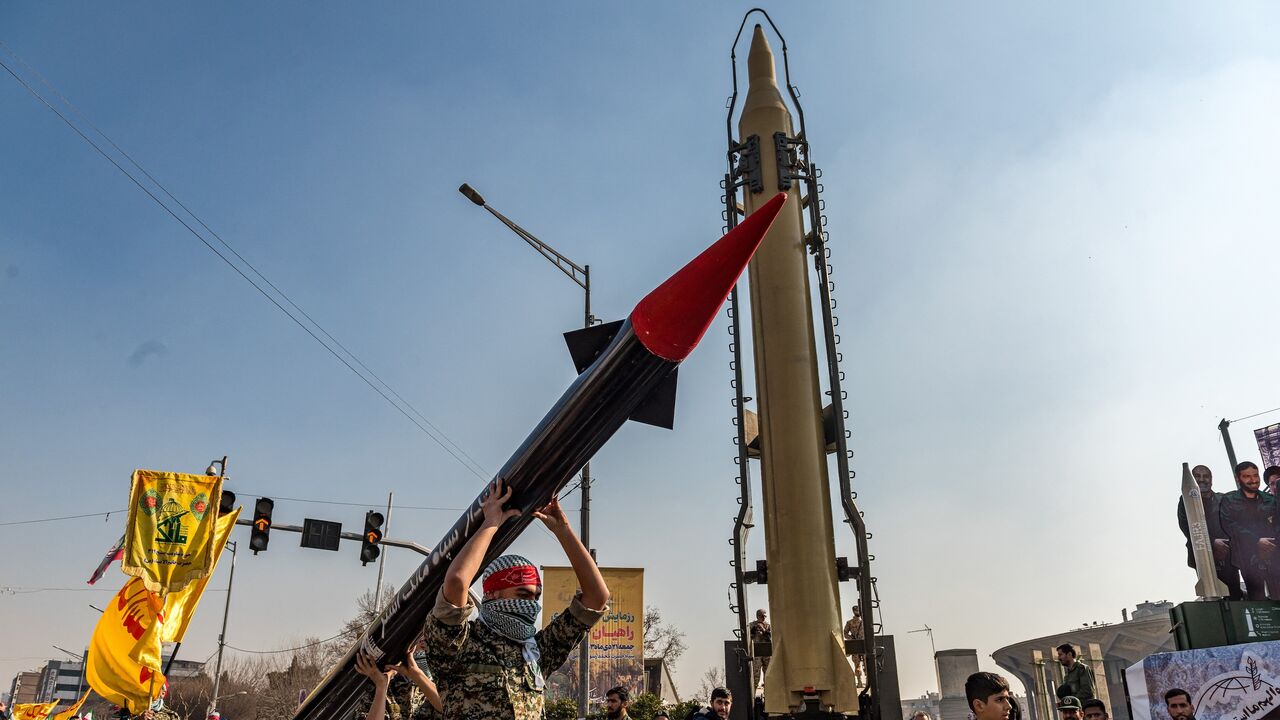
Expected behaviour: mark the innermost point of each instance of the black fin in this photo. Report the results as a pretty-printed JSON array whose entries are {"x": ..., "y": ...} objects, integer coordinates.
[
  {"x": 659, "y": 409},
  {"x": 586, "y": 344}
]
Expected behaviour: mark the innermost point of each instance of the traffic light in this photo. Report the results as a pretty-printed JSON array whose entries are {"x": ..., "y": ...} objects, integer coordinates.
[
  {"x": 369, "y": 550},
  {"x": 226, "y": 502},
  {"x": 260, "y": 535}
]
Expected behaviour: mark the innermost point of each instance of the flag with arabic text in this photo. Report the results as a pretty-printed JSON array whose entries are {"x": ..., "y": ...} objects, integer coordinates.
[{"x": 170, "y": 534}]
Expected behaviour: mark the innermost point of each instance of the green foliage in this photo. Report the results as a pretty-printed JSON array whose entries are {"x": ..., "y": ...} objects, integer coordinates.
[
  {"x": 644, "y": 705},
  {"x": 565, "y": 708},
  {"x": 680, "y": 711}
]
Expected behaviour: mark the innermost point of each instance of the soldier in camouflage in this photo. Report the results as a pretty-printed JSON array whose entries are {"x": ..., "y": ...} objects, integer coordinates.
[{"x": 495, "y": 667}]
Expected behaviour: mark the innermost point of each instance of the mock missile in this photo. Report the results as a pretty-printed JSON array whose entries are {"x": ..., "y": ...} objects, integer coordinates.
[
  {"x": 627, "y": 370},
  {"x": 1208, "y": 584},
  {"x": 808, "y": 656}
]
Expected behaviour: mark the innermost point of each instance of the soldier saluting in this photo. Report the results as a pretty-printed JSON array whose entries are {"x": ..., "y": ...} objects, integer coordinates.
[{"x": 496, "y": 665}]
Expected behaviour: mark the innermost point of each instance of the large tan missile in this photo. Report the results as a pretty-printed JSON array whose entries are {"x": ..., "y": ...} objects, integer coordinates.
[{"x": 808, "y": 649}]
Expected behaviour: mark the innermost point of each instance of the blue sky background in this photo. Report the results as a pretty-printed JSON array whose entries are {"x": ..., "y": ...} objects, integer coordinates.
[{"x": 1052, "y": 229}]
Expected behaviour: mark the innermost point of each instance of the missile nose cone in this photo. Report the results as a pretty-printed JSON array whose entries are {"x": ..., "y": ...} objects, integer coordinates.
[
  {"x": 760, "y": 59},
  {"x": 672, "y": 319}
]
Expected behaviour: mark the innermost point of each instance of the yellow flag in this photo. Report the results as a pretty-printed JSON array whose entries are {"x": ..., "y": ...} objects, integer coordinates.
[
  {"x": 33, "y": 711},
  {"x": 180, "y": 606},
  {"x": 124, "y": 653},
  {"x": 169, "y": 538},
  {"x": 71, "y": 711}
]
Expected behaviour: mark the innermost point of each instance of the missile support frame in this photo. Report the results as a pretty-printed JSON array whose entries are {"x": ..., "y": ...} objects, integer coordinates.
[{"x": 795, "y": 166}]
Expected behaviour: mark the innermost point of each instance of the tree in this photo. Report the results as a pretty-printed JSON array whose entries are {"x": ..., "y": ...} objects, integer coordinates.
[
  {"x": 711, "y": 679},
  {"x": 662, "y": 641}
]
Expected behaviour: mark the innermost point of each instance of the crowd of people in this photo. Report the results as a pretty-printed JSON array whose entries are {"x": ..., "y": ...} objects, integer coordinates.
[
  {"x": 1242, "y": 526},
  {"x": 989, "y": 699}
]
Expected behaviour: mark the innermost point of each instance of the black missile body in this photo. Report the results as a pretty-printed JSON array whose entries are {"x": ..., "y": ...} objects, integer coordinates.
[{"x": 627, "y": 371}]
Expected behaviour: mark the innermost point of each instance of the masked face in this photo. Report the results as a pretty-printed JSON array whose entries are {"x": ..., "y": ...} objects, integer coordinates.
[{"x": 513, "y": 618}]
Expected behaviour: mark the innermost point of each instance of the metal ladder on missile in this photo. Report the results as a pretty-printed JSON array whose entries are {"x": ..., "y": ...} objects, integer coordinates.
[{"x": 744, "y": 171}]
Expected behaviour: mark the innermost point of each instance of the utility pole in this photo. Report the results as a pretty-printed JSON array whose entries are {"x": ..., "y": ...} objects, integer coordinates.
[
  {"x": 1224, "y": 428},
  {"x": 382, "y": 557},
  {"x": 581, "y": 276}
]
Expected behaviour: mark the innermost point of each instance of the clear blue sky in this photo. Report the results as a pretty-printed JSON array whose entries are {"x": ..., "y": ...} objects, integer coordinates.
[{"x": 1053, "y": 233}]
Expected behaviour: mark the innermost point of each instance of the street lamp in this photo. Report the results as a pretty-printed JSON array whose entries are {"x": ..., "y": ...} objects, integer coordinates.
[
  {"x": 83, "y": 663},
  {"x": 581, "y": 276}
]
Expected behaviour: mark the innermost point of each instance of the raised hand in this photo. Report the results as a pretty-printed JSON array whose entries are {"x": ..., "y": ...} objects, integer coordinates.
[
  {"x": 552, "y": 515},
  {"x": 367, "y": 667},
  {"x": 499, "y": 494}
]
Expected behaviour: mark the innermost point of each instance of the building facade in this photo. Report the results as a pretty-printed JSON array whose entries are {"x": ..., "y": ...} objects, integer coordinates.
[{"x": 1107, "y": 648}]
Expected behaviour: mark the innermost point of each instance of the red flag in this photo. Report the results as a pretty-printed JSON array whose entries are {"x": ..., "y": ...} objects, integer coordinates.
[{"x": 115, "y": 553}]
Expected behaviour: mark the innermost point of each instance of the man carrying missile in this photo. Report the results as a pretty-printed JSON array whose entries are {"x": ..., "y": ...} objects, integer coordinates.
[
  {"x": 496, "y": 666},
  {"x": 1226, "y": 572}
]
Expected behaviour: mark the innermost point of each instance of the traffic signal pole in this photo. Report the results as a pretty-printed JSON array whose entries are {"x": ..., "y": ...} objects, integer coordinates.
[
  {"x": 382, "y": 559},
  {"x": 390, "y": 542}
]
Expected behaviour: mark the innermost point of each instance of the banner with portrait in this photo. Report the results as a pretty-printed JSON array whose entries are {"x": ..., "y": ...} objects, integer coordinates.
[
  {"x": 1232, "y": 682},
  {"x": 1268, "y": 444},
  {"x": 616, "y": 643}
]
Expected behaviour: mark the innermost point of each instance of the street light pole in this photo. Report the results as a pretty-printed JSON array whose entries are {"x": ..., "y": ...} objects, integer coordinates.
[
  {"x": 222, "y": 636},
  {"x": 581, "y": 276}
]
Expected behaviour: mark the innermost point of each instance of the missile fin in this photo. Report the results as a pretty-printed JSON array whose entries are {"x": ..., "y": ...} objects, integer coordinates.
[
  {"x": 659, "y": 409},
  {"x": 586, "y": 344}
]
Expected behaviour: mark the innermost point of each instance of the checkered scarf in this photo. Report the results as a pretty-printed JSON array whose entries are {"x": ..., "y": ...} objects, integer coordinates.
[{"x": 514, "y": 618}]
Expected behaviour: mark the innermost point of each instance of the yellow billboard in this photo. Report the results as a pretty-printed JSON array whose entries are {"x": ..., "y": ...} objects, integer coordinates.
[{"x": 616, "y": 642}]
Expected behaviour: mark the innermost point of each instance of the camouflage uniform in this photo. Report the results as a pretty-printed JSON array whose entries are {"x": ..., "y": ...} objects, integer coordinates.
[
  {"x": 853, "y": 631},
  {"x": 392, "y": 711},
  {"x": 483, "y": 675},
  {"x": 412, "y": 702},
  {"x": 404, "y": 702}
]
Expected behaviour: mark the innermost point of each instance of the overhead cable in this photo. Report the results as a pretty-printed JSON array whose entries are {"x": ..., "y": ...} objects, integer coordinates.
[{"x": 426, "y": 426}]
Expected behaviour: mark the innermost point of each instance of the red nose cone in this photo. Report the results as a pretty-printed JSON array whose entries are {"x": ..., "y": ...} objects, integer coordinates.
[{"x": 673, "y": 318}]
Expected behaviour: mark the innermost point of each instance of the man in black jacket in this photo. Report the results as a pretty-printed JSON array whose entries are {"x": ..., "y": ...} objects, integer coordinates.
[
  {"x": 1249, "y": 520},
  {"x": 1227, "y": 573}
]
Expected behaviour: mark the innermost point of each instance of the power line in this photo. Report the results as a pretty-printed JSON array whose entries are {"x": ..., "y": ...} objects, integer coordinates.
[
  {"x": 29, "y": 591},
  {"x": 275, "y": 652},
  {"x": 474, "y": 467},
  {"x": 355, "y": 504},
  {"x": 55, "y": 519},
  {"x": 1248, "y": 417}
]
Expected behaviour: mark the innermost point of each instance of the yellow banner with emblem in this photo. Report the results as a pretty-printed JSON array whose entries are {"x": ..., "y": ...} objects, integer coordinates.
[
  {"x": 179, "y": 607},
  {"x": 124, "y": 653},
  {"x": 33, "y": 711},
  {"x": 170, "y": 534},
  {"x": 73, "y": 710}
]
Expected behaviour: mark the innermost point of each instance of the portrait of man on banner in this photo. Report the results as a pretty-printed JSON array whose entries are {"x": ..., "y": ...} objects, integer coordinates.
[
  {"x": 1269, "y": 444},
  {"x": 169, "y": 538}
]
